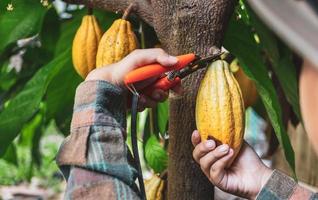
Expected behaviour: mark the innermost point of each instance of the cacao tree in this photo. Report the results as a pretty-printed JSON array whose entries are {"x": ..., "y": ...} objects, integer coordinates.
[{"x": 46, "y": 84}]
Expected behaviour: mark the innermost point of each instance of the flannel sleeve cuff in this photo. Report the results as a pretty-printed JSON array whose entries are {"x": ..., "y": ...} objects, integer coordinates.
[
  {"x": 280, "y": 186},
  {"x": 99, "y": 103},
  {"x": 97, "y": 139}
]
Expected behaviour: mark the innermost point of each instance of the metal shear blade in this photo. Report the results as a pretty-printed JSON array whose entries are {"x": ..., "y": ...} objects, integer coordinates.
[{"x": 198, "y": 64}]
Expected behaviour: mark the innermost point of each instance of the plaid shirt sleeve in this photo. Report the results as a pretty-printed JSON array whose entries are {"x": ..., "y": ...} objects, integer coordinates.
[
  {"x": 279, "y": 187},
  {"x": 93, "y": 158}
]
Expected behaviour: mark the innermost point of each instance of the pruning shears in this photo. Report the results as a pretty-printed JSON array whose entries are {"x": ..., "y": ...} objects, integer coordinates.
[{"x": 170, "y": 76}]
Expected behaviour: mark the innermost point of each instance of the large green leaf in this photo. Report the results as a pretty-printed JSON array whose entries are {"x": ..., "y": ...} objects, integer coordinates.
[
  {"x": 23, "y": 106},
  {"x": 156, "y": 156},
  {"x": 23, "y": 21},
  {"x": 60, "y": 96},
  {"x": 281, "y": 59},
  {"x": 239, "y": 40}
]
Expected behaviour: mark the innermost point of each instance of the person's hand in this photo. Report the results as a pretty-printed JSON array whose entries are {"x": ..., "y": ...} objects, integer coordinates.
[
  {"x": 116, "y": 72},
  {"x": 246, "y": 175}
]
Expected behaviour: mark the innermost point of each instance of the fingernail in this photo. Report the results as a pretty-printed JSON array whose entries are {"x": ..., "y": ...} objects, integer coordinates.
[
  {"x": 224, "y": 148},
  {"x": 196, "y": 133},
  {"x": 173, "y": 59},
  {"x": 209, "y": 144},
  {"x": 231, "y": 151}
]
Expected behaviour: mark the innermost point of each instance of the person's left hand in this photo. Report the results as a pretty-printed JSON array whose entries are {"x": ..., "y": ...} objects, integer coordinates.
[
  {"x": 116, "y": 72},
  {"x": 246, "y": 175}
]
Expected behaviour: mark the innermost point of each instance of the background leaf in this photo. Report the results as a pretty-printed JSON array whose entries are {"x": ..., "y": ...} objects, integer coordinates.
[
  {"x": 155, "y": 155},
  {"x": 24, "y": 21},
  {"x": 50, "y": 32},
  {"x": 22, "y": 107},
  {"x": 240, "y": 41},
  {"x": 281, "y": 61},
  {"x": 11, "y": 154}
]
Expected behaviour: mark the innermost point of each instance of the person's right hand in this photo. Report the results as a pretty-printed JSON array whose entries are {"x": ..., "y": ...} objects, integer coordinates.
[
  {"x": 246, "y": 175},
  {"x": 115, "y": 73}
]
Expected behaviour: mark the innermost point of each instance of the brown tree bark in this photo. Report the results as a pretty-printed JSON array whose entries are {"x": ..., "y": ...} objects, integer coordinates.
[
  {"x": 182, "y": 26},
  {"x": 194, "y": 26}
]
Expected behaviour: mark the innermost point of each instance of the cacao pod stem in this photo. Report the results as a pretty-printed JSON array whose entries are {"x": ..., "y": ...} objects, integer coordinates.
[{"x": 128, "y": 10}]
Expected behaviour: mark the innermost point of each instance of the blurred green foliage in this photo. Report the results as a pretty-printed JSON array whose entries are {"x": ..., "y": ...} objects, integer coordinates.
[{"x": 37, "y": 89}]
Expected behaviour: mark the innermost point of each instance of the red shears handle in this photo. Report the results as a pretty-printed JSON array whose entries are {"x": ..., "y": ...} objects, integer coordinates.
[
  {"x": 164, "y": 84},
  {"x": 155, "y": 70}
]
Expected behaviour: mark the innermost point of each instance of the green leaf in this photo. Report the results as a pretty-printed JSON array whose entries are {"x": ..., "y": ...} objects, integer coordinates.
[
  {"x": 50, "y": 32},
  {"x": 239, "y": 41},
  {"x": 31, "y": 134},
  {"x": 7, "y": 77},
  {"x": 162, "y": 117},
  {"x": 35, "y": 148},
  {"x": 156, "y": 156},
  {"x": 60, "y": 96},
  {"x": 285, "y": 70},
  {"x": 11, "y": 155},
  {"x": 23, "y": 21},
  {"x": 28, "y": 130},
  {"x": 281, "y": 59},
  {"x": 68, "y": 29},
  {"x": 23, "y": 106}
]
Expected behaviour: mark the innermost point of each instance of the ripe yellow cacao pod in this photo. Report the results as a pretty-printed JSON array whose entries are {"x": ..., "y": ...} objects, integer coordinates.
[
  {"x": 117, "y": 42},
  {"x": 154, "y": 188},
  {"x": 247, "y": 86},
  {"x": 219, "y": 111},
  {"x": 85, "y": 45}
]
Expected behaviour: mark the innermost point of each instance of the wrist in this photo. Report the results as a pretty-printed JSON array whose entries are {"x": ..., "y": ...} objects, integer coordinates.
[
  {"x": 103, "y": 74},
  {"x": 264, "y": 177}
]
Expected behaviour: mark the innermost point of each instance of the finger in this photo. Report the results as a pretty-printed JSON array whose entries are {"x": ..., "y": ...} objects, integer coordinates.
[
  {"x": 203, "y": 148},
  {"x": 159, "y": 95},
  {"x": 217, "y": 170},
  {"x": 195, "y": 138},
  {"x": 147, "y": 102},
  {"x": 178, "y": 89},
  {"x": 209, "y": 159},
  {"x": 148, "y": 56}
]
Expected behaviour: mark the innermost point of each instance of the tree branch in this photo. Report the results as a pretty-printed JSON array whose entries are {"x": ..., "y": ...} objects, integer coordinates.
[{"x": 142, "y": 8}]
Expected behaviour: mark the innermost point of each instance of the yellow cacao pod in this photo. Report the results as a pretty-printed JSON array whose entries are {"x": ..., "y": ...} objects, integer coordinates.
[
  {"x": 219, "y": 111},
  {"x": 154, "y": 188},
  {"x": 247, "y": 86},
  {"x": 117, "y": 42},
  {"x": 85, "y": 45}
]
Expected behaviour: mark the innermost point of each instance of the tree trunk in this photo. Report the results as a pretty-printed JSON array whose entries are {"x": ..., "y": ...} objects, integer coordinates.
[
  {"x": 194, "y": 26},
  {"x": 182, "y": 26}
]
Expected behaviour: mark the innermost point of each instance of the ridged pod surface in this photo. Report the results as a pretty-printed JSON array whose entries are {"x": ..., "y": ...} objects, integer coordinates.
[
  {"x": 220, "y": 108},
  {"x": 247, "y": 86},
  {"x": 117, "y": 42},
  {"x": 85, "y": 45},
  {"x": 154, "y": 188}
]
